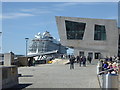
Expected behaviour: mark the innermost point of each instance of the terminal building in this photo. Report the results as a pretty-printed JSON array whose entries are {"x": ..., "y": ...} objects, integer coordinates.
[
  {"x": 44, "y": 42},
  {"x": 97, "y": 38}
]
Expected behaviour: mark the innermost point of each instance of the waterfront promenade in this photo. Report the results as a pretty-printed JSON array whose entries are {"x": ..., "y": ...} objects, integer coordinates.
[{"x": 58, "y": 75}]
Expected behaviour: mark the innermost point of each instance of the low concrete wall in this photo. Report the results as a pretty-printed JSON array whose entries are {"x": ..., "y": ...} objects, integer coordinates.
[
  {"x": 119, "y": 81},
  {"x": 9, "y": 76},
  {"x": 0, "y": 77},
  {"x": 22, "y": 61},
  {"x": 8, "y": 59},
  {"x": 119, "y": 76}
]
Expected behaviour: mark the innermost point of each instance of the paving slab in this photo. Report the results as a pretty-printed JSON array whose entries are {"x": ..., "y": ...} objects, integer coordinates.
[{"x": 58, "y": 75}]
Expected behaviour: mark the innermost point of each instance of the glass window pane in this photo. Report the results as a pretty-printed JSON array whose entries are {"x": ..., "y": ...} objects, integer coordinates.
[
  {"x": 75, "y": 30},
  {"x": 99, "y": 32}
]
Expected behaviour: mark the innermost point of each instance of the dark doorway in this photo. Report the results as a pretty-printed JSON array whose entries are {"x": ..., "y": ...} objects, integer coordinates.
[
  {"x": 97, "y": 55},
  {"x": 81, "y": 53},
  {"x": 90, "y": 54}
]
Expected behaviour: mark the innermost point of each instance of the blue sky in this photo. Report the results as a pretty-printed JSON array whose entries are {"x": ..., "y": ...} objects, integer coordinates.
[{"x": 25, "y": 19}]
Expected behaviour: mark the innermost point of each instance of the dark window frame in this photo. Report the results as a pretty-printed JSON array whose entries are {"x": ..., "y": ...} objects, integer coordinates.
[
  {"x": 99, "y": 32},
  {"x": 81, "y": 53},
  {"x": 75, "y": 30}
]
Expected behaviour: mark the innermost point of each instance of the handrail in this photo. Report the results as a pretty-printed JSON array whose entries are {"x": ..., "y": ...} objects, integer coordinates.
[{"x": 105, "y": 71}]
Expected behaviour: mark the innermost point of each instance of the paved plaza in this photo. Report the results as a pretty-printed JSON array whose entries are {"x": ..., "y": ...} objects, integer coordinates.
[{"x": 58, "y": 75}]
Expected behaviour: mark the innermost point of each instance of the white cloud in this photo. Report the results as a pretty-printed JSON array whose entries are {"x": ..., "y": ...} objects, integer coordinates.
[
  {"x": 16, "y": 15},
  {"x": 22, "y": 14},
  {"x": 28, "y": 10},
  {"x": 37, "y": 10},
  {"x": 61, "y": 6},
  {"x": 66, "y": 4},
  {"x": 43, "y": 12},
  {"x": 25, "y": 13},
  {"x": 43, "y": 23}
]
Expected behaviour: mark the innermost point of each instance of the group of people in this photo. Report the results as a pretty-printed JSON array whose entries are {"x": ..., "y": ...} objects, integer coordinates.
[
  {"x": 79, "y": 59},
  {"x": 109, "y": 65}
]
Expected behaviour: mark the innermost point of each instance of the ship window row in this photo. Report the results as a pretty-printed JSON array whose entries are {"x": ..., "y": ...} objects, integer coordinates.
[
  {"x": 75, "y": 31},
  {"x": 40, "y": 47}
]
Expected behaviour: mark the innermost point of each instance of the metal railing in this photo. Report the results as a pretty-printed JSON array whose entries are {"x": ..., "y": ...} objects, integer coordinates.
[{"x": 106, "y": 79}]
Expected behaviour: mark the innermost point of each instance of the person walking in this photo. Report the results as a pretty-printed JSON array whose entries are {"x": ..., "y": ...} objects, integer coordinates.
[
  {"x": 89, "y": 59},
  {"x": 33, "y": 62},
  {"x": 84, "y": 61},
  {"x": 110, "y": 59},
  {"x": 72, "y": 60},
  {"x": 80, "y": 61},
  {"x": 78, "y": 58},
  {"x": 30, "y": 62}
]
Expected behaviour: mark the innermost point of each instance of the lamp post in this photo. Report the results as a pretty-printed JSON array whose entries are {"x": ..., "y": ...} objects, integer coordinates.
[
  {"x": 0, "y": 42},
  {"x": 26, "y": 44}
]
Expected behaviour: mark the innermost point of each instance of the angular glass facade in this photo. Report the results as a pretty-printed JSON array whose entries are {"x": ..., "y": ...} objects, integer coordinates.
[
  {"x": 100, "y": 32},
  {"x": 75, "y": 30}
]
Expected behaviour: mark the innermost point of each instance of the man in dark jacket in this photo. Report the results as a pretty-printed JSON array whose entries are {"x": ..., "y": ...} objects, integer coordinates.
[
  {"x": 78, "y": 58},
  {"x": 89, "y": 59},
  {"x": 72, "y": 60},
  {"x": 84, "y": 61},
  {"x": 80, "y": 61}
]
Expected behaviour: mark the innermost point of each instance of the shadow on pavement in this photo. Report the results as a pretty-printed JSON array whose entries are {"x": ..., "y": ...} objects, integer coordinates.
[
  {"x": 20, "y": 75},
  {"x": 18, "y": 87},
  {"x": 26, "y": 76}
]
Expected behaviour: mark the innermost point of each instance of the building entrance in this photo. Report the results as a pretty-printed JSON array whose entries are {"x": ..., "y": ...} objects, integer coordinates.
[
  {"x": 81, "y": 53},
  {"x": 97, "y": 55},
  {"x": 90, "y": 54}
]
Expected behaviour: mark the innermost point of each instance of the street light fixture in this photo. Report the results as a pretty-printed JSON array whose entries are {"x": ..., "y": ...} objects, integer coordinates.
[
  {"x": 0, "y": 42},
  {"x": 26, "y": 44}
]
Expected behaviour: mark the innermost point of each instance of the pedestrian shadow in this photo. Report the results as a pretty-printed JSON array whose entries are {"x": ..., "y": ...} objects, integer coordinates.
[
  {"x": 18, "y": 87},
  {"x": 67, "y": 63},
  {"x": 20, "y": 75}
]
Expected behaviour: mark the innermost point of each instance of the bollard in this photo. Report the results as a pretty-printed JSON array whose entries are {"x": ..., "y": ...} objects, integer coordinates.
[
  {"x": 99, "y": 67},
  {"x": 110, "y": 81},
  {"x": 104, "y": 81}
]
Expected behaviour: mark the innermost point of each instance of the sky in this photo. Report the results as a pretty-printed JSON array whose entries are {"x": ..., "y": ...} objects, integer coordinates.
[
  {"x": 60, "y": 0},
  {"x": 25, "y": 19},
  {"x": 119, "y": 14}
]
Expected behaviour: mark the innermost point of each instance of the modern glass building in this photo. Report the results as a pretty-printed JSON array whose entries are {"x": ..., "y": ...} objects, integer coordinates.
[
  {"x": 45, "y": 43},
  {"x": 97, "y": 38}
]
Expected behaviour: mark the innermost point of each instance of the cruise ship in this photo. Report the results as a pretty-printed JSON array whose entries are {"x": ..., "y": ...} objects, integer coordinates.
[{"x": 44, "y": 42}]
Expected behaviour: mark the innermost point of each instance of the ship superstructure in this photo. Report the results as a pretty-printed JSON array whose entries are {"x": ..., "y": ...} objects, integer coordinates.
[{"x": 45, "y": 43}]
